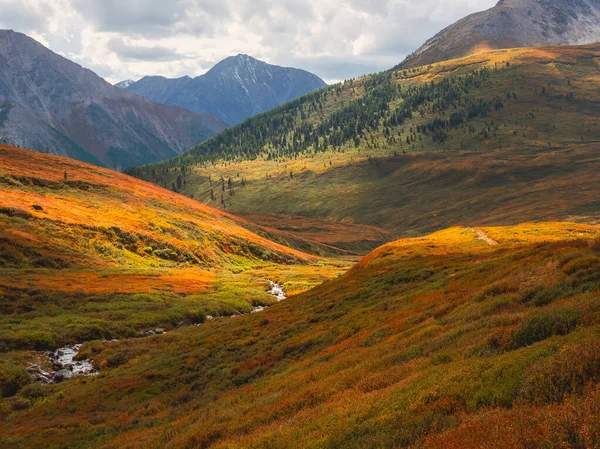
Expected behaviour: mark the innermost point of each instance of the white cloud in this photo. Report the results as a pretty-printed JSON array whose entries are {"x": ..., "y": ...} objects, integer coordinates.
[{"x": 335, "y": 39}]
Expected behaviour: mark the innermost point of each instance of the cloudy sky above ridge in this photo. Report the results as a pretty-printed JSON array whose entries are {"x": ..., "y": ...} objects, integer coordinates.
[{"x": 336, "y": 39}]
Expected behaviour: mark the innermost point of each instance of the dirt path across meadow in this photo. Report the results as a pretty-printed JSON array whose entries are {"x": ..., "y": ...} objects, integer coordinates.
[{"x": 483, "y": 236}]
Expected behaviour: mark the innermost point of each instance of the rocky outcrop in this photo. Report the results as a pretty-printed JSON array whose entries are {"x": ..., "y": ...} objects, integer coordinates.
[
  {"x": 514, "y": 23},
  {"x": 64, "y": 366}
]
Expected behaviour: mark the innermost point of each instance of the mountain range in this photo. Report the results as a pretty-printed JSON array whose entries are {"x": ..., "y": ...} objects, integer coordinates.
[
  {"x": 233, "y": 90},
  {"x": 48, "y": 103},
  {"x": 514, "y": 23},
  {"x": 397, "y": 143}
]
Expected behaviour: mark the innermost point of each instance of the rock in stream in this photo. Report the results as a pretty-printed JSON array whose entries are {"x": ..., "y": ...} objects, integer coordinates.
[{"x": 64, "y": 364}]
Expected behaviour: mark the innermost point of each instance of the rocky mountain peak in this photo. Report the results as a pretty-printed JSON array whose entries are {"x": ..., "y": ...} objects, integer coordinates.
[
  {"x": 125, "y": 84},
  {"x": 234, "y": 89},
  {"x": 514, "y": 23},
  {"x": 50, "y": 102}
]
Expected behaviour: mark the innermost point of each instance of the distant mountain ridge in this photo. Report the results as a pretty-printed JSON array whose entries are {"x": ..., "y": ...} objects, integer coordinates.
[
  {"x": 48, "y": 103},
  {"x": 125, "y": 84},
  {"x": 511, "y": 24},
  {"x": 233, "y": 90}
]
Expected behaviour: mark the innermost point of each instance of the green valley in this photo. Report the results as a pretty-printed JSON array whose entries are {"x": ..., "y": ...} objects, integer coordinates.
[{"x": 87, "y": 253}]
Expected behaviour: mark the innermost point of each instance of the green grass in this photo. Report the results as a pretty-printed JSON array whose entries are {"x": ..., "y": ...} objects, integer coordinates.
[
  {"x": 41, "y": 319},
  {"x": 439, "y": 341}
]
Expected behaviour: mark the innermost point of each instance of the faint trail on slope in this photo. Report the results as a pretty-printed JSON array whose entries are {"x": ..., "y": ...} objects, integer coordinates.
[{"x": 483, "y": 236}]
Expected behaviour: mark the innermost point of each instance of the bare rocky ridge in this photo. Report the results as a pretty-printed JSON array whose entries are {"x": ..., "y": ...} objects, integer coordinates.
[
  {"x": 511, "y": 24},
  {"x": 233, "y": 90},
  {"x": 47, "y": 101}
]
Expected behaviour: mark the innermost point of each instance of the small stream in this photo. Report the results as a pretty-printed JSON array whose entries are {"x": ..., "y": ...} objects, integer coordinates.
[
  {"x": 65, "y": 366},
  {"x": 277, "y": 292}
]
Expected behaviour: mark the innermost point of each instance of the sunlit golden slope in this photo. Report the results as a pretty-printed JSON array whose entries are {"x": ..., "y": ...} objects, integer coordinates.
[
  {"x": 82, "y": 215},
  {"x": 87, "y": 252}
]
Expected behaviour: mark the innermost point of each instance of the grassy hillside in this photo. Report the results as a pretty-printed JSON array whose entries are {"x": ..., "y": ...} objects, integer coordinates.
[
  {"x": 495, "y": 138},
  {"x": 87, "y": 253},
  {"x": 486, "y": 337}
]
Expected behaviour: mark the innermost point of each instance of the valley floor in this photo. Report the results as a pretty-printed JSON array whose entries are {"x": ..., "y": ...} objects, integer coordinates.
[{"x": 469, "y": 337}]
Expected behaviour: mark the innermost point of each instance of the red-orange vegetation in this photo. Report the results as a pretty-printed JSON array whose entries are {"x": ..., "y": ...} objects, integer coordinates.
[
  {"x": 72, "y": 194},
  {"x": 178, "y": 281}
]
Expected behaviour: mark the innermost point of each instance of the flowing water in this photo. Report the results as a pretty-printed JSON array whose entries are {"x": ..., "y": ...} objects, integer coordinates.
[
  {"x": 64, "y": 366},
  {"x": 63, "y": 359}
]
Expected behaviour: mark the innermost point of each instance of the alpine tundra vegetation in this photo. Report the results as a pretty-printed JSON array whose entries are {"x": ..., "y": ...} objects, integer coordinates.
[{"x": 407, "y": 259}]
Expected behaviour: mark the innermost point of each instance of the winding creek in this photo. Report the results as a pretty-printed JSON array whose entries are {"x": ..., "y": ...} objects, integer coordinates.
[{"x": 65, "y": 366}]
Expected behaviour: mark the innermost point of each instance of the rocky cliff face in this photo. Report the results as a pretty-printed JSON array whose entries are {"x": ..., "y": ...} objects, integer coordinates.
[
  {"x": 514, "y": 23},
  {"x": 50, "y": 103},
  {"x": 235, "y": 89}
]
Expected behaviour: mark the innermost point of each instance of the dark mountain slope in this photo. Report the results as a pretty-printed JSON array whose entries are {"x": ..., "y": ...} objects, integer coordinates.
[
  {"x": 235, "y": 89},
  {"x": 514, "y": 23},
  {"x": 47, "y": 101},
  {"x": 158, "y": 88}
]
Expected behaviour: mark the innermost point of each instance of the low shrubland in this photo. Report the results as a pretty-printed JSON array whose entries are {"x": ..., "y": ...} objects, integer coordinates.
[{"x": 428, "y": 342}]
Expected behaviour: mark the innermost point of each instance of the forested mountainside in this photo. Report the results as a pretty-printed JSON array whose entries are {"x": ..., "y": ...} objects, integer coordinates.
[{"x": 498, "y": 137}]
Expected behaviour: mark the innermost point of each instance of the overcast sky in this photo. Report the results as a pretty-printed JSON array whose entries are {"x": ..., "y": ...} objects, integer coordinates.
[{"x": 336, "y": 39}]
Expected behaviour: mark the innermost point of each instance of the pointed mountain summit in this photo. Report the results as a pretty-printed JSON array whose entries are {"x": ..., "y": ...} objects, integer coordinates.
[
  {"x": 236, "y": 88},
  {"x": 48, "y": 103},
  {"x": 511, "y": 24},
  {"x": 125, "y": 84}
]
